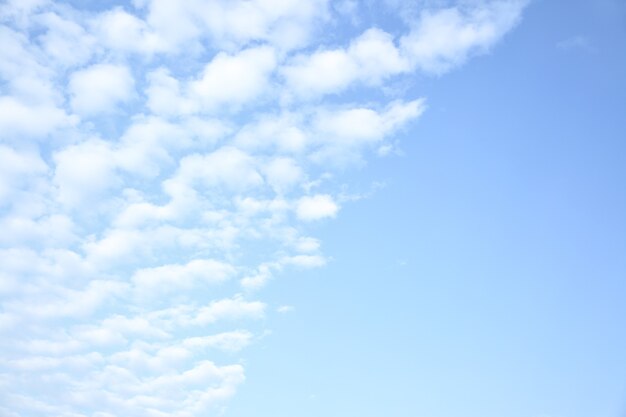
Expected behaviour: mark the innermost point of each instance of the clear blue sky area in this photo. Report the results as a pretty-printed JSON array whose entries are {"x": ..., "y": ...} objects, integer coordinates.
[{"x": 488, "y": 278}]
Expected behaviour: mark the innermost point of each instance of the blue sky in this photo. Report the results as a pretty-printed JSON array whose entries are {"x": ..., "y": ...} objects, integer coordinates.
[{"x": 320, "y": 208}]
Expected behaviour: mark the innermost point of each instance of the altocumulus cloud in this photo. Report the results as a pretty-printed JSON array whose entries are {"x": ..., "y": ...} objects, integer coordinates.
[{"x": 147, "y": 149}]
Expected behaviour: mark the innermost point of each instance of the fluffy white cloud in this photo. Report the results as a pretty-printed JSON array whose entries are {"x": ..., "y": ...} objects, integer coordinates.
[
  {"x": 370, "y": 58},
  {"x": 21, "y": 9},
  {"x": 445, "y": 38},
  {"x": 307, "y": 244},
  {"x": 122, "y": 31},
  {"x": 50, "y": 231},
  {"x": 84, "y": 172},
  {"x": 17, "y": 170},
  {"x": 230, "y": 309},
  {"x": 281, "y": 134},
  {"x": 16, "y": 119},
  {"x": 169, "y": 278},
  {"x": 146, "y": 146},
  {"x": 118, "y": 247},
  {"x": 323, "y": 72},
  {"x": 66, "y": 41},
  {"x": 234, "y": 79},
  {"x": 283, "y": 173},
  {"x": 165, "y": 95},
  {"x": 306, "y": 261},
  {"x": 316, "y": 207},
  {"x": 17, "y": 57},
  {"x": 100, "y": 88},
  {"x": 232, "y": 23},
  {"x": 59, "y": 302},
  {"x": 440, "y": 40},
  {"x": 227, "y": 81},
  {"x": 260, "y": 276},
  {"x": 226, "y": 167},
  {"x": 357, "y": 126}
]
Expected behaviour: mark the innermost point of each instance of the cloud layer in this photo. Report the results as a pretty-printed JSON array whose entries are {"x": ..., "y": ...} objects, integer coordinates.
[{"x": 162, "y": 161}]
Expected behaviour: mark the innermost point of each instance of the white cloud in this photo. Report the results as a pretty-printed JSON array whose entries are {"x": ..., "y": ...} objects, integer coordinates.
[
  {"x": 100, "y": 88},
  {"x": 173, "y": 24},
  {"x": 281, "y": 134},
  {"x": 46, "y": 267},
  {"x": 16, "y": 119},
  {"x": 116, "y": 247},
  {"x": 233, "y": 23},
  {"x": 307, "y": 244},
  {"x": 50, "y": 231},
  {"x": 165, "y": 95},
  {"x": 285, "y": 309},
  {"x": 342, "y": 132},
  {"x": 133, "y": 326},
  {"x": 226, "y": 167},
  {"x": 84, "y": 172},
  {"x": 66, "y": 41},
  {"x": 440, "y": 40},
  {"x": 316, "y": 207},
  {"x": 329, "y": 133},
  {"x": 283, "y": 173},
  {"x": 17, "y": 171},
  {"x": 125, "y": 247},
  {"x": 306, "y": 261},
  {"x": 169, "y": 278},
  {"x": 234, "y": 79},
  {"x": 230, "y": 309},
  {"x": 229, "y": 341},
  {"x": 321, "y": 73},
  {"x": 146, "y": 146},
  {"x": 370, "y": 58},
  {"x": 122, "y": 31},
  {"x": 20, "y": 10},
  {"x": 377, "y": 56},
  {"x": 260, "y": 276},
  {"x": 17, "y": 57},
  {"x": 60, "y": 302},
  {"x": 443, "y": 39}
]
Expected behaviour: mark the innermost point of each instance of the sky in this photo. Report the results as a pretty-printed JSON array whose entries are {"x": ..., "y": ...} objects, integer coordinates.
[{"x": 305, "y": 208}]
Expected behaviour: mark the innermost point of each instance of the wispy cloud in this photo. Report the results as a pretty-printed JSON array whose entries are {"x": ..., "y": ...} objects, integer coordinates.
[{"x": 575, "y": 42}]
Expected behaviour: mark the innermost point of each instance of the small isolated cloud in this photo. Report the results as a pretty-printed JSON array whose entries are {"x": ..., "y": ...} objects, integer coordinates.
[
  {"x": 316, "y": 207},
  {"x": 306, "y": 261},
  {"x": 575, "y": 42},
  {"x": 230, "y": 309},
  {"x": 443, "y": 39},
  {"x": 285, "y": 309}
]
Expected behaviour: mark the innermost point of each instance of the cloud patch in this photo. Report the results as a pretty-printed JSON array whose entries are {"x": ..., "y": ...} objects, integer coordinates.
[{"x": 162, "y": 162}]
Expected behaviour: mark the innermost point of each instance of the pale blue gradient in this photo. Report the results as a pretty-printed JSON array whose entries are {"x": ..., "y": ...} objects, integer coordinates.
[{"x": 488, "y": 279}]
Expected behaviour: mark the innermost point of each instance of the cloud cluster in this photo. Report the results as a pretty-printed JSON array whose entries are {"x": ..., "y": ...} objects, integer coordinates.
[{"x": 162, "y": 161}]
